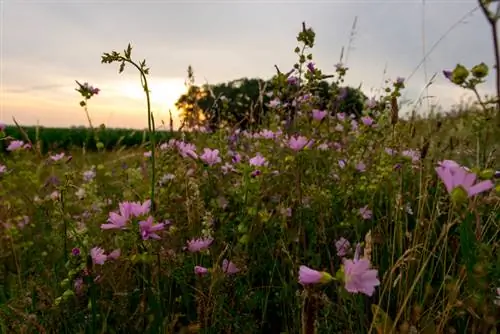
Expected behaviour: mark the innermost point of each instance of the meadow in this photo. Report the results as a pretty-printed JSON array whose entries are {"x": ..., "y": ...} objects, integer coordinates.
[{"x": 317, "y": 222}]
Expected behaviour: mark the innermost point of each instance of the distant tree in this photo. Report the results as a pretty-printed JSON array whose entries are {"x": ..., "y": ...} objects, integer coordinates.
[{"x": 191, "y": 113}]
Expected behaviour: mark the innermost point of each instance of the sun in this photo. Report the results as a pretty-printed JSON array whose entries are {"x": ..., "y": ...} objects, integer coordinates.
[{"x": 163, "y": 92}]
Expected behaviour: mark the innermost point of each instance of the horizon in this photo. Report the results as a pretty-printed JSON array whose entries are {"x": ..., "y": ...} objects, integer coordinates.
[{"x": 38, "y": 67}]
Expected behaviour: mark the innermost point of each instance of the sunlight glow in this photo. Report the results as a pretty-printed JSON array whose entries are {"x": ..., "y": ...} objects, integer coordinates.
[{"x": 164, "y": 92}]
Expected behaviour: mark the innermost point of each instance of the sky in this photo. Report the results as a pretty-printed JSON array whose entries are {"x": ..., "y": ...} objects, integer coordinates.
[{"x": 46, "y": 45}]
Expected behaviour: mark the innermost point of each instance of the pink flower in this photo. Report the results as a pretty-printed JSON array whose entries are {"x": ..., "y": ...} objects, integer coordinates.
[
  {"x": 134, "y": 209},
  {"x": 57, "y": 157},
  {"x": 3, "y": 169},
  {"x": 359, "y": 277},
  {"x": 365, "y": 212},
  {"x": 210, "y": 157},
  {"x": 342, "y": 246},
  {"x": 229, "y": 267},
  {"x": 457, "y": 177},
  {"x": 98, "y": 256},
  {"x": 2, "y": 126},
  {"x": 318, "y": 115},
  {"x": 201, "y": 271},
  {"x": 148, "y": 229},
  {"x": 310, "y": 276},
  {"x": 116, "y": 221},
  {"x": 114, "y": 254},
  {"x": 297, "y": 143},
  {"x": 258, "y": 160},
  {"x": 197, "y": 245},
  {"x": 15, "y": 145}
]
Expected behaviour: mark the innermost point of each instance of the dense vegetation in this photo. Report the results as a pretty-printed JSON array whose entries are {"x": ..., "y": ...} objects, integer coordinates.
[{"x": 312, "y": 220}]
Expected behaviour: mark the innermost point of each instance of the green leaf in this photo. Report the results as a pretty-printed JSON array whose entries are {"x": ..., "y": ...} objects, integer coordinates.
[{"x": 381, "y": 321}]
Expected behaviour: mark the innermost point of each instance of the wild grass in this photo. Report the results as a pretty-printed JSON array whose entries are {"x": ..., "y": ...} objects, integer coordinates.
[{"x": 261, "y": 206}]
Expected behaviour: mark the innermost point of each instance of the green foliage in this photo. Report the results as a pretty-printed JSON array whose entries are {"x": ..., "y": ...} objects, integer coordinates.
[{"x": 269, "y": 202}]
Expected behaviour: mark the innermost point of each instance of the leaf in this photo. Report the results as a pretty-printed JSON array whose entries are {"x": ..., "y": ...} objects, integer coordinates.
[
  {"x": 468, "y": 242},
  {"x": 381, "y": 321}
]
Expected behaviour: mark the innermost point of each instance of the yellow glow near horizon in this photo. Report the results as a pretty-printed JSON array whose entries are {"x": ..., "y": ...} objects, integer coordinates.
[{"x": 164, "y": 93}]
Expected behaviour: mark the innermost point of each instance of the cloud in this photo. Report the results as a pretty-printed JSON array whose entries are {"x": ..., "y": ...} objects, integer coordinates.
[{"x": 47, "y": 45}]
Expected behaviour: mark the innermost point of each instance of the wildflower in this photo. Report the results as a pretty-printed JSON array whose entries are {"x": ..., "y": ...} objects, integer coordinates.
[
  {"x": 414, "y": 155},
  {"x": 371, "y": 103},
  {"x": 201, "y": 271},
  {"x": 148, "y": 154},
  {"x": 3, "y": 169},
  {"x": 75, "y": 251},
  {"x": 98, "y": 256},
  {"x": 258, "y": 160},
  {"x": 342, "y": 163},
  {"x": 229, "y": 267},
  {"x": 339, "y": 128},
  {"x": 55, "y": 195},
  {"x": 148, "y": 229},
  {"x": 318, "y": 115},
  {"x": 361, "y": 167},
  {"x": 197, "y": 245},
  {"x": 210, "y": 157},
  {"x": 447, "y": 74},
  {"x": 497, "y": 299},
  {"x": 116, "y": 222},
  {"x": 2, "y": 126},
  {"x": 236, "y": 158},
  {"x": 80, "y": 193},
  {"x": 310, "y": 66},
  {"x": 341, "y": 116},
  {"x": 367, "y": 120},
  {"x": 311, "y": 276},
  {"x": 89, "y": 175},
  {"x": 57, "y": 157},
  {"x": 274, "y": 103},
  {"x": 227, "y": 167},
  {"x": 359, "y": 277},
  {"x": 135, "y": 209},
  {"x": 15, "y": 145},
  {"x": 365, "y": 212},
  {"x": 459, "y": 178},
  {"x": 114, "y": 254},
  {"x": 78, "y": 285},
  {"x": 342, "y": 246},
  {"x": 297, "y": 143},
  {"x": 292, "y": 80}
]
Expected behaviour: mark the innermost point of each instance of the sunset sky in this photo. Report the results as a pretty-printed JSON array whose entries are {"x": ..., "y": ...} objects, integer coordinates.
[{"x": 46, "y": 45}]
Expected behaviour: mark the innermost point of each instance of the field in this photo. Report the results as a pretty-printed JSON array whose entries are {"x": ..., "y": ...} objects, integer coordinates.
[{"x": 325, "y": 223}]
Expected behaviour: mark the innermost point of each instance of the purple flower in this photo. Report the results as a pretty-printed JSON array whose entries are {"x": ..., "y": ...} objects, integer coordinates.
[
  {"x": 148, "y": 154},
  {"x": 98, "y": 256},
  {"x": 3, "y": 169},
  {"x": 310, "y": 276},
  {"x": 342, "y": 94},
  {"x": 447, "y": 74},
  {"x": 197, "y": 245},
  {"x": 297, "y": 143},
  {"x": 89, "y": 175},
  {"x": 229, "y": 267},
  {"x": 318, "y": 115},
  {"x": 359, "y": 277},
  {"x": 210, "y": 157},
  {"x": 361, "y": 167},
  {"x": 148, "y": 229},
  {"x": 342, "y": 245},
  {"x": 75, "y": 251},
  {"x": 458, "y": 177},
  {"x": 258, "y": 160},
  {"x": 15, "y": 145},
  {"x": 367, "y": 120},
  {"x": 292, "y": 80},
  {"x": 310, "y": 66},
  {"x": 365, "y": 212}
]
